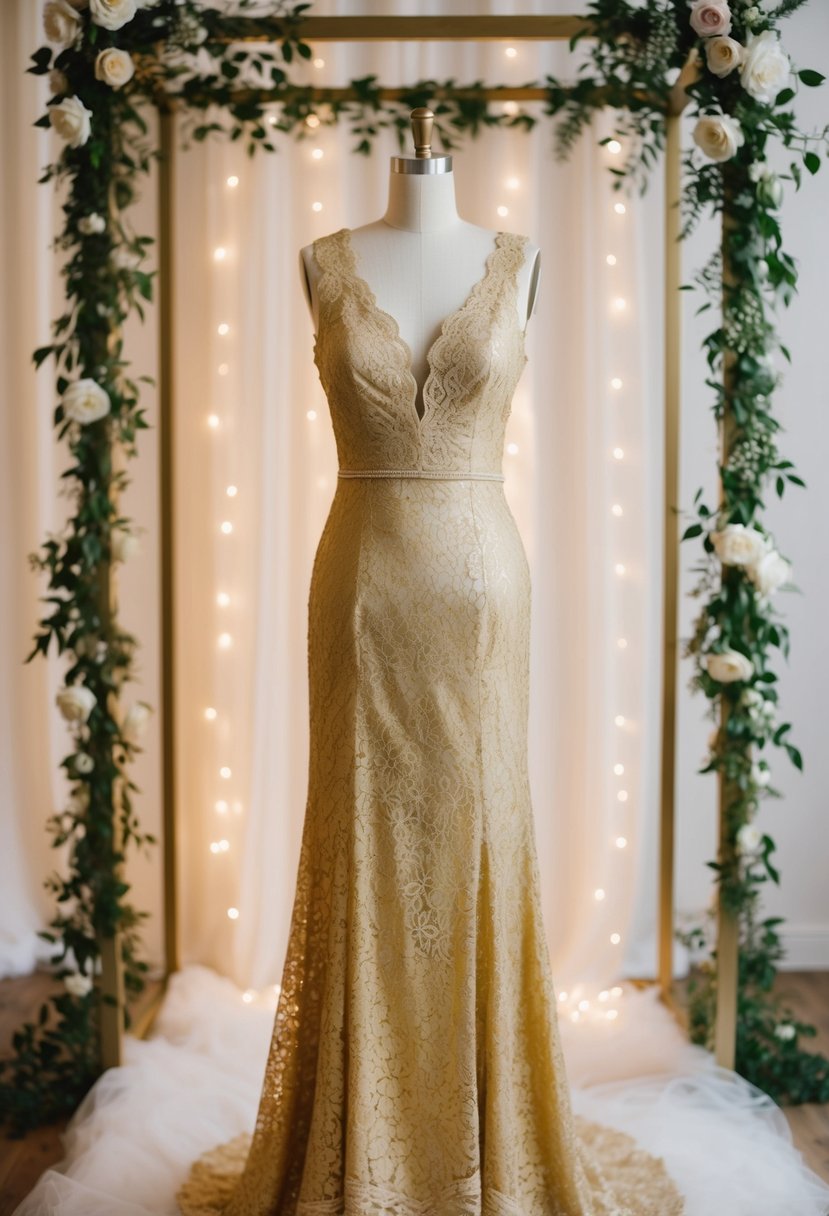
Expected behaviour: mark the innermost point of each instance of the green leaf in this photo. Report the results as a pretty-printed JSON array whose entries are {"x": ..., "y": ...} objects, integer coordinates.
[
  {"x": 810, "y": 77},
  {"x": 812, "y": 161}
]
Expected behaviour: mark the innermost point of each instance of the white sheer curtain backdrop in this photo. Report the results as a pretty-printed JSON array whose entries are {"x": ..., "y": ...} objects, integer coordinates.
[
  {"x": 243, "y": 399},
  {"x": 257, "y": 471}
]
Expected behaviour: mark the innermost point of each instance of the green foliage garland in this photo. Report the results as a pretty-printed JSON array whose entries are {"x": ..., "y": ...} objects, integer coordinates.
[{"x": 113, "y": 58}]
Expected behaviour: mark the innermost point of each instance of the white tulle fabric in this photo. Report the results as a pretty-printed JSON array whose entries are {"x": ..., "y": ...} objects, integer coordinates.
[{"x": 196, "y": 1083}]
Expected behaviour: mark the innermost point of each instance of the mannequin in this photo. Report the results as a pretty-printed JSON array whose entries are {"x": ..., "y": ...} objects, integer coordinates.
[{"x": 421, "y": 259}]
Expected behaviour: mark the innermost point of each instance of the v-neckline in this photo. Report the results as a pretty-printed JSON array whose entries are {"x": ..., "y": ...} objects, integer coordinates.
[{"x": 414, "y": 389}]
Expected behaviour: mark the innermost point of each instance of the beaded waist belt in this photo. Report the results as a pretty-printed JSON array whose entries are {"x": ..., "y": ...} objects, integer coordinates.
[{"x": 459, "y": 474}]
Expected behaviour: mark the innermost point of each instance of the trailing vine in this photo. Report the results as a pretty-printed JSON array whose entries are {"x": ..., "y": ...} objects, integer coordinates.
[{"x": 109, "y": 62}]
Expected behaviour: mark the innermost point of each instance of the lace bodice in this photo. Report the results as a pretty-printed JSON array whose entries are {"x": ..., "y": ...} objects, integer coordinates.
[{"x": 365, "y": 367}]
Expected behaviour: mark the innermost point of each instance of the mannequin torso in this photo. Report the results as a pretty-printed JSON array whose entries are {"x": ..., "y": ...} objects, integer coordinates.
[{"x": 421, "y": 260}]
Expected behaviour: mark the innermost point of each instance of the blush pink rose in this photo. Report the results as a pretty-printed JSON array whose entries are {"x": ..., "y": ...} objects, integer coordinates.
[{"x": 710, "y": 18}]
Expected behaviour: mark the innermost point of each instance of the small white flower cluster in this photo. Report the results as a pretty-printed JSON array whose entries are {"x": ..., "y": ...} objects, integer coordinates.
[{"x": 763, "y": 65}]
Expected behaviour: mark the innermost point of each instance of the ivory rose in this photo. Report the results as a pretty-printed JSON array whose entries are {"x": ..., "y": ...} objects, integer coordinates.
[
  {"x": 723, "y": 55},
  {"x": 114, "y": 67},
  {"x": 709, "y": 17},
  {"x": 92, "y": 223},
  {"x": 83, "y": 763},
  {"x": 112, "y": 14},
  {"x": 718, "y": 135},
  {"x": 135, "y": 721},
  {"x": 71, "y": 119},
  {"x": 85, "y": 401},
  {"x": 765, "y": 68},
  {"x": 77, "y": 984},
  {"x": 749, "y": 839},
  {"x": 728, "y": 666},
  {"x": 123, "y": 544},
  {"x": 769, "y": 572},
  {"x": 75, "y": 702},
  {"x": 61, "y": 23},
  {"x": 737, "y": 545}
]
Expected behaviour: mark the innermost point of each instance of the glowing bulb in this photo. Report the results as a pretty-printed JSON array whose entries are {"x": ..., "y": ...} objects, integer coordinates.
[
  {"x": 223, "y": 329},
  {"x": 502, "y": 210},
  {"x": 619, "y": 720},
  {"x": 616, "y": 383},
  {"x": 512, "y": 448},
  {"x": 619, "y": 208},
  {"x": 213, "y": 420},
  {"x": 622, "y": 643},
  {"x": 210, "y": 714},
  {"x": 223, "y": 369},
  {"x": 616, "y": 991},
  {"x": 618, "y": 453},
  {"x": 616, "y": 509},
  {"x": 618, "y": 769},
  {"x": 311, "y": 415},
  {"x": 221, "y": 807},
  {"x": 277, "y": 988},
  {"x": 219, "y": 254},
  {"x": 227, "y": 527},
  {"x": 319, "y": 63},
  {"x": 622, "y": 796},
  {"x": 614, "y": 146},
  {"x": 316, "y": 206},
  {"x": 317, "y": 154},
  {"x": 619, "y": 568},
  {"x": 612, "y": 1014},
  {"x": 223, "y": 599},
  {"x": 233, "y": 181},
  {"x": 231, "y": 491},
  {"x": 233, "y": 913},
  {"x": 619, "y": 304},
  {"x": 511, "y": 108},
  {"x": 272, "y": 119},
  {"x": 225, "y": 641},
  {"x": 599, "y": 894},
  {"x": 512, "y": 183},
  {"x": 510, "y": 52},
  {"x": 611, "y": 259},
  {"x": 225, "y": 773},
  {"x": 562, "y": 996},
  {"x": 312, "y": 121},
  {"x": 584, "y": 1006},
  {"x": 219, "y": 846},
  {"x": 615, "y": 938},
  {"x": 247, "y": 997},
  {"x": 621, "y": 842}
]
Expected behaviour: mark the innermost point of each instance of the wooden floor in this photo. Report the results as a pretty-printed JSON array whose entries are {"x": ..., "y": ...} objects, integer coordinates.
[{"x": 23, "y": 1161}]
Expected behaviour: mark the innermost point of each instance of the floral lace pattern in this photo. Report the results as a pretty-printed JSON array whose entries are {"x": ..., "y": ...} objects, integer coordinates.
[{"x": 415, "y": 1066}]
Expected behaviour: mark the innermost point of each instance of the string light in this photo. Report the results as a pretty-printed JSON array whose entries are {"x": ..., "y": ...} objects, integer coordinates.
[
  {"x": 317, "y": 153},
  {"x": 615, "y": 938},
  {"x": 213, "y": 420},
  {"x": 510, "y": 52},
  {"x": 618, "y": 454},
  {"x": 619, "y": 568},
  {"x": 221, "y": 807},
  {"x": 614, "y": 146},
  {"x": 223, "y": 369},
  {"x": 511, "y": 108},
  {"x": 219, "y": 846},
  {"x": 616, "y": 509},
  {"x": 502, "y": 210},
  {"x": 622, "y": 643},
  {"x": 512, "y": 183},
  {"x": 618, "y": 769},
  {"x": 619, "y": 720},
  {"x": 562, "y": 996},
  {"x": 512, "y": 448},
  {"x": 620, "y": 304},
  {"x": 611, "y": 259},
  {"x": 621, "y": 842},
  {"x": 248, "y": 996},
  {"x": 231, "y": 491},
  {"x": 225, "y": 641},
  {"x": 233, "y": 913},
  {"x": 316, "y": 206},
  {"x": 599, "y": 894},
  {"x": 210, "y": 714},
  {"x": 312, "y": 121},
  {"x": 219, "y": 253},
  {"x": 227, "y": 527},
  {"x": 233, "y": 181},
  {"x": 622, "y": 795},
  {"x": 223, "y": 599},
  {"x": 319, "y": 62},
  {"x": 311, "y": 415},
  {"x": 619, "y": 208},
  {"x": 225, "y": 773},
  {"x": 223, "y": 329}
]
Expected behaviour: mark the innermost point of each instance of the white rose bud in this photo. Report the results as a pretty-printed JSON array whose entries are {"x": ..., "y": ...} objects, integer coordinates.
[
  {"x": 765, "y": 68},
  {"x": 75, "y": 702},
  {"x": 83, "y": 762},
  {"x": 123, "y": 545},
  {"x": 124, "y": 258},
  {"x": 85, "y": 401},
  {"x": 749, "y": 839},
  {"x": 723, "y": 55},
  {"x": 114, "y": 67},
  {"x": 61, "y": 23},
  {"x": 737, "y": 545},
  {"x": 769, "y": 572},
  {"x": 92, "y": 223},
  {"x": 71, "y": 119},
  {"x": 58, "y": 82},
  {"x": 785, "y": 1031},
  {"x": 771, "y": 190},
  {"x": 112, "y": 14},
  {"x": 719, "y": 136},
  {"x": 729, "y": 666},
  {"x": 135, "y": 722},
  {"x": 78, "y": 984},
  {"x": 760, "y": 775}
]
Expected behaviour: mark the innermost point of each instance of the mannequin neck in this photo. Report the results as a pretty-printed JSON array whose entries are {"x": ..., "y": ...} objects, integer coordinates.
[{"x": 422, "y": 202}]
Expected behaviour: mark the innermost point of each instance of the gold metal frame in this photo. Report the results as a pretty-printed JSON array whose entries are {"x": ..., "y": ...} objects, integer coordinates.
[{"x": 436, "y": 28}]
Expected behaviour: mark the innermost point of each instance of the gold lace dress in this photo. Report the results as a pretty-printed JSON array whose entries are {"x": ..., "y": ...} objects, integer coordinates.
[{"x": 415, "y": 1067}]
